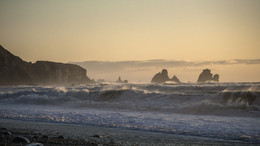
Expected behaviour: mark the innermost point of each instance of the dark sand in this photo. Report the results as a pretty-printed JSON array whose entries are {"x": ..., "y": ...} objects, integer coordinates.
[{"x": 71, "y": 134}]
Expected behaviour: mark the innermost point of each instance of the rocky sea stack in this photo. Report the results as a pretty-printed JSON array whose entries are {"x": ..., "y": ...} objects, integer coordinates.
[
  {"x": 15, "y": 71},
  {"x": 119, "y": 80},
  {"x": 162, "y": 77},
  {"x": 207, "y": 76}
]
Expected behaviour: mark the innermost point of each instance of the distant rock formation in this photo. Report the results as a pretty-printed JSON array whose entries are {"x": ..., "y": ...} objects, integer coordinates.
[
  {"x": 175, "y": 79},
  {"x": 207, "y": 76},
  {"x": 121, "y": 81},
  {"x": 162, "y": 77},
  {"x": 14, "y": 71}
]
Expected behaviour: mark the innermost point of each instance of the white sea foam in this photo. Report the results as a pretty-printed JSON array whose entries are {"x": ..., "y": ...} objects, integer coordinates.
[{"x": 222, "y": 110}]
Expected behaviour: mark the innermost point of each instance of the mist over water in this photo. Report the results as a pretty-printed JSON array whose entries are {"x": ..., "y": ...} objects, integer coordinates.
[
  {"x": 228, "y": 111},
  {"x": 187, "y": 71}
]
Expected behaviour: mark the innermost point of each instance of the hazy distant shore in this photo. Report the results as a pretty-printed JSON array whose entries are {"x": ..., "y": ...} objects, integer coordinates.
[{"x": 70, "y": 134}]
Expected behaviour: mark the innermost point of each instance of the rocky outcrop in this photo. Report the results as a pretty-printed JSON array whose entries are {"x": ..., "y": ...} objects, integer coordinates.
[
  {"x": 175, "y": 79},
  {"x": 13, "y": 71},
  {"x": 162, "y": 77},
  {"x": 207, "y": 76},
  {"x": 216, "y": 78},
  {"x": 121, "y": 81}
]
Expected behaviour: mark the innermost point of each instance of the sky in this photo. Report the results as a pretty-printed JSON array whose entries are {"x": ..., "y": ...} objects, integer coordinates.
[
  {"x": 106, "y": 31},
  {"x": 187, "y": 71}
]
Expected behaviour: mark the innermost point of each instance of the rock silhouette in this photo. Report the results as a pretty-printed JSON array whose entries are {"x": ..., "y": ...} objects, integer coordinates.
[
  {"x": 162, "y": 77},
  {"x": 175, "y": 79},
  {"x": 207, "y": 76},
  {"x": 13, "y": 71},
  {"x": 121, "y": 81}
]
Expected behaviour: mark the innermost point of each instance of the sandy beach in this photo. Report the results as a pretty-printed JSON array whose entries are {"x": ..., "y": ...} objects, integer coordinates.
[{"x": 71, "y": 134}]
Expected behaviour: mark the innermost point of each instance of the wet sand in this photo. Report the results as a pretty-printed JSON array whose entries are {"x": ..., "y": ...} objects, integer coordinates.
[{"x": 72, "y": 134}]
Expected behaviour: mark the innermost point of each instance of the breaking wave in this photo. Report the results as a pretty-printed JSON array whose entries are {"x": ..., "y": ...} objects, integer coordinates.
[
  {"x": 210, "y": 98},
  {"x": 218, "y": 110}
]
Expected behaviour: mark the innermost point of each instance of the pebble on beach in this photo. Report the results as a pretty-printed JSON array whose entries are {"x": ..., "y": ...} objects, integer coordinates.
[
  {"x": 97, "y": 136},
  {"x": 5, "y": 133},
  {"x": 45, "y": 136},
  {"x": 21, "y": 139},
  {"x": 60, "y": 137},
  {"x": 35, "y": 144}
]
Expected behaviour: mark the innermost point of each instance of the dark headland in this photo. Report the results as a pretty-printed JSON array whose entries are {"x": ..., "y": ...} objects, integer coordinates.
[{"x": 15, "y": 71}]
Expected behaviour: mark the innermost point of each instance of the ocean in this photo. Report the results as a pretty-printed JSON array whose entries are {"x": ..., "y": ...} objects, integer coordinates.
[{"x": 226, "y": 111}]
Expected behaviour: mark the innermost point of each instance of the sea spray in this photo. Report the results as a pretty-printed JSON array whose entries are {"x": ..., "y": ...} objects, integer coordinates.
[{"x": 220, "y": 110}]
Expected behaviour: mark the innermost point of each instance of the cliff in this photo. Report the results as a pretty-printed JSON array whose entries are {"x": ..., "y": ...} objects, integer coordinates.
[{"x": 14, "y": 71}]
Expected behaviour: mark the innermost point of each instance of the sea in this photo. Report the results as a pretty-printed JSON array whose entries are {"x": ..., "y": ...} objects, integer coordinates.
[{"x": 225, "y": 111}]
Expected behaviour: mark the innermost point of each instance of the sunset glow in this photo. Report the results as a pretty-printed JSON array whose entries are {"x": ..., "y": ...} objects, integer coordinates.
[{"x": 136, "y": 30}]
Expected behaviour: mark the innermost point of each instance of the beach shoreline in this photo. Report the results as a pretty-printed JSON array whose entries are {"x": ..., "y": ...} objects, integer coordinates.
[{"x": 73, "y": 134}]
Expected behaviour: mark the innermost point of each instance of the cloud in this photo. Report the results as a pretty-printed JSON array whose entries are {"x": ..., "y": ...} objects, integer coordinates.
[
  {"x": 159, "y": 63},
  {"x": 185, "y": 70}
]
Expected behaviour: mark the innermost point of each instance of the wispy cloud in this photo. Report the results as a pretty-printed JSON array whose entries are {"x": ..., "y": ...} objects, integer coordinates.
[
  {"x": 145, "y": 70},
  {"x": 159, "y": 63}
]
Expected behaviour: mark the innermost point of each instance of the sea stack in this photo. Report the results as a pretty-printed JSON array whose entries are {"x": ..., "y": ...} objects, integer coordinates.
[
  {"x": 175, "y": 79},
  {"x": 207, "y": 76},
  {"x": 162, "y": 77},
  {"x": 121, "y": 81}
]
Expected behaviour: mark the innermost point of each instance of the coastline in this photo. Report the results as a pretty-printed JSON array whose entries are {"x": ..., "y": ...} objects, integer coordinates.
[{"x": 72, "y": 134}]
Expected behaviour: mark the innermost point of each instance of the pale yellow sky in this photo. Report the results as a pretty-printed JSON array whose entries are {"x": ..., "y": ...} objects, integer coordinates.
[
  {"x": 186, "y": 71},
  {"x": 119, "y": 30},
  {"x": 65, "y": 30}
]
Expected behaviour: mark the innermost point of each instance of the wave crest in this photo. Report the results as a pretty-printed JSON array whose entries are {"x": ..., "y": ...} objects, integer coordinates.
[{"x": 185, "y": 98}]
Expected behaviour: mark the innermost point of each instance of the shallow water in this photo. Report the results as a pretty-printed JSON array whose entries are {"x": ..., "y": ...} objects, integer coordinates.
[{"x": 228, "y": 111}]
